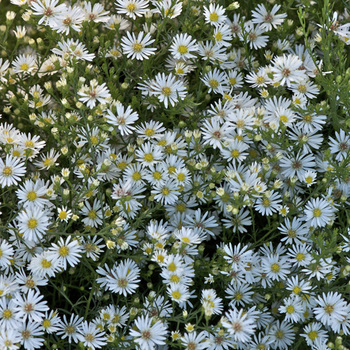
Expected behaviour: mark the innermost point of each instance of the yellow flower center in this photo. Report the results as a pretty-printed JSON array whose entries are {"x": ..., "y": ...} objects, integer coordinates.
[
  {"x": 32, "y": 223},
  {"x": 218, "y": 36},
  {"x": 175, "y": 279},
  {"x": 46, "y": 263},
  {"x": 176, "y": 295},
  {"x": 235, "y": 153},
  {"x": 300, "y": 257},
  {"x": 24, "y": 66},
  {"x": 149, "y": 132},
  {"x": 166, "y": 91},
  {"x": 290, "y": 309},
  {"x": 283, "y": 118},
  {"x": 185, "y": 240},
  {"x": 329, "y": 308},
  {"x": 213, "y": 17},
  {"x": 181, "y": 177},
  {"x": 171, "y": 267},
  {"x": 94, "y": 140},
  {"x": 213, "y": 83},
  {"x": 63, "y": 251},
  {"x": 7, "y": 314},
  {"x": 131, "y": 7},
  {"x": 92, "y": 214},
  {"x": 137, "y": 47},
  {"x": 317, "y": 212},
  {"x": 7, "y": 171},
  {"x": 182, "y": 49},
  {"x": 302, "y": 89},
  {"x": 136, "y": 176},
  {"x": 296, "y": 290},
  {"x": 31, "y": 196},
  {"x": 46, "y": 323},
  {"x": 275, "y": 267},
  {"x": 148, "y": 157},
  {"x": 312, "y": 335},
  {"x": 157, "y": 175},
  {"x": 62, "y": 215}
]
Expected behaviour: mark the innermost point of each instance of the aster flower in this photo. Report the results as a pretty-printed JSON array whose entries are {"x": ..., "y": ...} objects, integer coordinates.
[
  {"x": 47, "y": 9},
  {"x": 95, "y": 13},
  {"x": 253, "y": 35},
  {"x": 135, "y": 47},
  {"x": 132, "y": 8},
  {"x": 73, "y": 49},
  {"x": 30, "y": 307},
  {"x": 148, "y": 335},
  {"x": 30, "y": 335},
  {"x": 94, "y": 93},
  {"x": 33, "y": 223},
  {"x": 182, "y": 46},
  {"x": 91, "y": 336},
  {"x": 66, "y": 252},
  {"x": 69, "y": 329},
  {"x": 194, "y": 341},
  {"x": 123, "y": 119},
  {"x": 331, "y": 307},
  {"x": 239, "y": 325},
  {"x": 167, "y": 89},
  {"x": 286, "y": 69},
  {"x": 340, "y": 146},
  {"x": 215, "y": 14},
  {"x": 10, "y": 339},
  {"x": 268, "y": 19},
  {"x": 124, "y": 278},
  {"x": 31, "y": 194},
  {"x": 318, "y": 212},
  {"x": 68, "y": 18}
]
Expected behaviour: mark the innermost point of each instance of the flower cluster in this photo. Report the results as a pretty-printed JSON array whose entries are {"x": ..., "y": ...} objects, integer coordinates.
[{"x": 174, "y": 175}]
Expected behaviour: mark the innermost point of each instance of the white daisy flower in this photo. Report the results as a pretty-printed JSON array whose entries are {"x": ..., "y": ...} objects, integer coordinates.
[
  {"x": 95, "y": 13},
  {"x": 91, "y": 336},
  {"x": 183, "y": 46},
  {"x": 167, "y": 89},
  {"x": 68, "y": 18},
  {"x": 195, "y": 341},
  {"x": 73, "y": 49},
  {"x": 47, "y": 10},
  {"x": 31, "y": 194},
  {"x": 124, "y": 278},
  {"x": 148, "y": 334},
  {"x": 94, "y": 93},
  {"x": 268, "y": 19},
  {"x": 43, "y": 265},
  {"x": 135, "y": 47},
  {"x": 10, "y": 339},
  {"x": 66, "y": 252},
  {"x": 93, "y": 213},
  {"x": 239, "y": 325},
  {"x": 69, "y": 329},
  {"x": 215, "y": 14},
  {"x": 123, "y": 119},
  {"x": 331, "y": 307},
  {"x": 132, "y": 8},
  {"x": 11, "y": 170},
  {"x": 6, "y": 253},
  {"x": 30, "y": 307},
  {"x": 33, "y": 223},
  {"x": 9, "y": 316},
  {"x": 286, "y": 70},
  {"x": 166, "y": 192},
  {"x": 318, "y": 212},
  {"x": 31, "y": 335}
]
